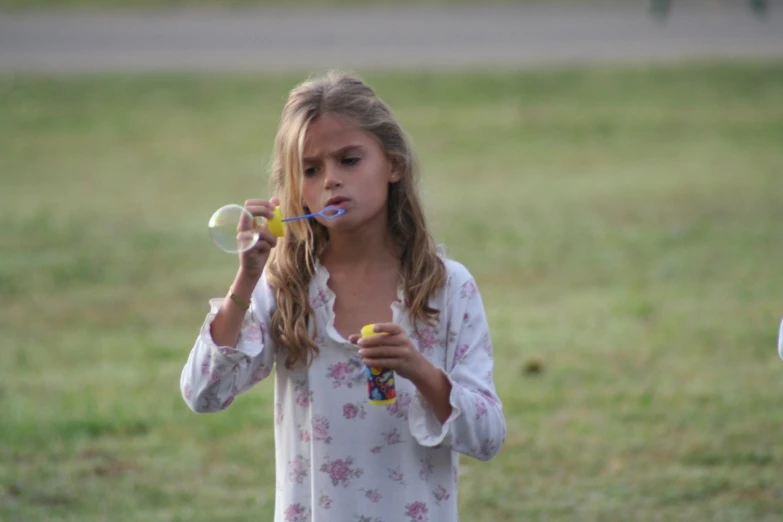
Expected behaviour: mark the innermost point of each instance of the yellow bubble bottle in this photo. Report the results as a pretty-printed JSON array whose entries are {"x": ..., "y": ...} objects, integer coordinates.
[
  {"x": 275, "y": 225},
  {"x": 380, "y": 381}
]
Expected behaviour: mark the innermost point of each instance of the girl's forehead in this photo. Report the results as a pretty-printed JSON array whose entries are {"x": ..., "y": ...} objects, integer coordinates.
[{"x": 330, "y": 133}]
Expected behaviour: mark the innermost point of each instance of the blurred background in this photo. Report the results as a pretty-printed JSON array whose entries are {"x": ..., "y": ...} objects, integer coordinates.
[{"x": 611, "y": 173}]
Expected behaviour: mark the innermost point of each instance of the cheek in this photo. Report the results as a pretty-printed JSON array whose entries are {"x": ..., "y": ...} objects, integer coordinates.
[{"x": 309, "y": 191}]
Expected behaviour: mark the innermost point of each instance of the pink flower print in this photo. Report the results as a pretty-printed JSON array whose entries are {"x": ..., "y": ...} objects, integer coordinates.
[
  {"x": 303, "y": 394},
  {"x": 296, "y": 513},
  {"x": 342, "y": 373},
  {"x": 321, "y": 429},
  {"x": 226, "y": 403},
  {"x": 205, "y": 367},
  {"x": 211, "y": 402},
  {"x": 400, "y": 408},
  {"x": 396, "y": 475},
  {"x": 392, "y": 437},
  {"x": 227, "y": 351},
  {"x": 460, "y": 352},
  {"x": 426, "y": 468},
  {"x": 468, "y": 290},
  {"x": 427, "y": 339},
  {"x": 304, "y": 435},
  {"x": 441, "y": 494},
  {"x": 319, "y": 299},
  {"x": 376, "y": 449},
  {"x": 481, "y": 407},
  {"x": 340, "y": 471},
  {"x": 452, "y": 337},
  {"x": 373, "y": 495},
  {"x": 417, "y": 512},
  {"x": 488, "y": 396},
  {"x": 351, "y": 411},
  {"x": 486, "y": 450},
  {"x": 455, "y": 474},
  {"x": 298, "y": 469},
  {"x": 259, "y": 374},
  {"x": 188, "y": 392},
  {"x": 253, "y": 335},
  {"x": 465, "y": 318},
  {"x": 278, "y": 413},
  {"x": 325, "y": 501},
  {"x": 214, "y": 376}
]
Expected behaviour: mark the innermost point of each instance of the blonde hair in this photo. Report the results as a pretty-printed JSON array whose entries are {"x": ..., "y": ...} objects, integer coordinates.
[{"x": 292, "y": 263}]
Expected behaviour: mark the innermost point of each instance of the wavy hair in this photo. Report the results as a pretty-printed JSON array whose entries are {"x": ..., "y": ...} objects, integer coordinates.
[{"x": 292, "y": 263}]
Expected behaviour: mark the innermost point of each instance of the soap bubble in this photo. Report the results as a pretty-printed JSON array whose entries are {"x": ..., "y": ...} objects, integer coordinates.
[{"x": 232, "y": 229}]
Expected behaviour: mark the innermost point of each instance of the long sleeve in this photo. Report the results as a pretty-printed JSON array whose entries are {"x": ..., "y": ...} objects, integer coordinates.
[
  {"x": 214, "y": 375},
  {"x": 477, "y": 426}
]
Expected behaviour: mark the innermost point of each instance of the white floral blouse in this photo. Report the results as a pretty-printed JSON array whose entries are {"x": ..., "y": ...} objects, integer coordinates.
[{"x": 338, "y": 458}]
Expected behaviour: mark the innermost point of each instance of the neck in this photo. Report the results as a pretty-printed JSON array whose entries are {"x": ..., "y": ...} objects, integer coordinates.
[{"x": 362, "y": 251}]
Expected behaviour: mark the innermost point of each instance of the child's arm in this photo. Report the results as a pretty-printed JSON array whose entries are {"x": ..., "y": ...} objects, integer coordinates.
[
  {"x": 215, "y": 374},
  {"x": 476, "y": 425}
]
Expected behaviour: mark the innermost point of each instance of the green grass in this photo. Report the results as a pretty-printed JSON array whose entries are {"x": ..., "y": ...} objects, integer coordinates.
[{"x": 623, "y": 225}]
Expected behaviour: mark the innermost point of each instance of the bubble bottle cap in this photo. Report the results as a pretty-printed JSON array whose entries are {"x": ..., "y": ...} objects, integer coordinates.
[{"x": 275, "y": 225}]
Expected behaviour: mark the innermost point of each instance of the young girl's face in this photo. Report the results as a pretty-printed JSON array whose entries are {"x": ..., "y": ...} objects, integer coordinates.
[{"x": 345, "y": 166}]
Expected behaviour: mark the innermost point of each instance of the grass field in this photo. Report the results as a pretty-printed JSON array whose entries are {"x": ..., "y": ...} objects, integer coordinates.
[{"x": 624, "y": 226}]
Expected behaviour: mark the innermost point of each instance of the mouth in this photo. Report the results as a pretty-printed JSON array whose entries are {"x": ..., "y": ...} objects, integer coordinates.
[{"x": 337, "y": 201}]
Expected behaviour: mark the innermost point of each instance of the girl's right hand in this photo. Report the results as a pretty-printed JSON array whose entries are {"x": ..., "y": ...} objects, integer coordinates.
[{"x": 252, "y": 262}]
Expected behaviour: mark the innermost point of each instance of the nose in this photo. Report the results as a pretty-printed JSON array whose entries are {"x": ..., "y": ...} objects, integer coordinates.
[{"x": 331, "y": 177}]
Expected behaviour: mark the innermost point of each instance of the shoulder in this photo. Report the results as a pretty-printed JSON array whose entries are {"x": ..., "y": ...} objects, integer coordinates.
[{"x": 457, "y": 274}]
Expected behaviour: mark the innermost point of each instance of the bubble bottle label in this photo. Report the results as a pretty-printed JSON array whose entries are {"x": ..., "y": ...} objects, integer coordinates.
[{"x": 380, "y": 381}]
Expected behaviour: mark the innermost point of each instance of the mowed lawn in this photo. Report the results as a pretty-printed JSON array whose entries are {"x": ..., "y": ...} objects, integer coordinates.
[{"x": 625, "y": 227}]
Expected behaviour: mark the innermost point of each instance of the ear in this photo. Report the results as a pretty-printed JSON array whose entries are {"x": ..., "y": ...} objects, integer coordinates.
[{"x": 395, "y": 172}]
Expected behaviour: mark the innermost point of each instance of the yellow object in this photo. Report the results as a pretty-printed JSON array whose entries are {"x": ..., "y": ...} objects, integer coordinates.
[
  {"x": 367, "y": 330},
  {"x": 275, "y": 225},
  {"x": 384, "y": 402},
  {"x": 374, "y": 372}
]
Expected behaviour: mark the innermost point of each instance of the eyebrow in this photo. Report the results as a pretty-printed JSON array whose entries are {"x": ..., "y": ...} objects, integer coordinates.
[{"x": 338, "y": 152}]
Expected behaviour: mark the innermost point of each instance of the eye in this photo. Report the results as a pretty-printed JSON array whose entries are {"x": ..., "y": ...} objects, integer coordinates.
[
  {"x": 351, "y": 160},
  {"x": 310, "y": 171}
]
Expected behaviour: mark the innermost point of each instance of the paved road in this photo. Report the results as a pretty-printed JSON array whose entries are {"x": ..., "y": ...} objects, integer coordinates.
[{"x": 465, "y": 37}]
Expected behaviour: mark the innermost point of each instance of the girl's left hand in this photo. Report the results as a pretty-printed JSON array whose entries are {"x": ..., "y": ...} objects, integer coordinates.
[{"x": 393, "y": 351}]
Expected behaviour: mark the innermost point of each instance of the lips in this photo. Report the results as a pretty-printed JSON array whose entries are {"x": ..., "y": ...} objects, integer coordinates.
[{"x": 337, "y": 201}]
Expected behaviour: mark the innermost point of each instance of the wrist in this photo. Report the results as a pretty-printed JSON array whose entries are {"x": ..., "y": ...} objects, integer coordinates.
[
  {"x": 241, "y": 290},
  {"x": 244, "y": 284},
  {"x": 425, "y": 374}
]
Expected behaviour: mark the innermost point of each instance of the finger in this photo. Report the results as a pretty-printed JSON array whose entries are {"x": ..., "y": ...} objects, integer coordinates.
[
  {"x": 259, "y": 203},
  {"x": 245, "y": 223},
  {"x": 353, "y": 339},
  {"x": 382, "y": 340},
  {"x": 384, "y": 351},
  {"x": 387, "y": 363},
  {"x": 267, "y": 237},
  {"x": 261, "y": 211},
  {"x": 275, "y": 201},
  {"x": 388, "y": 328}
]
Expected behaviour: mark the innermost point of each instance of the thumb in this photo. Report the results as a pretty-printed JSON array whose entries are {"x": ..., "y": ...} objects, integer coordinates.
[
  {"x": 354, "y": 338},
  {"x": 275, "y": 200}
]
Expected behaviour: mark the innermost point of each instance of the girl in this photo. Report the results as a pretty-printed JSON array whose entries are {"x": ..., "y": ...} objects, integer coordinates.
[{"x": 297, "y": 305}]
